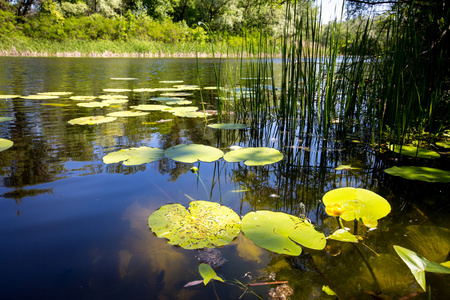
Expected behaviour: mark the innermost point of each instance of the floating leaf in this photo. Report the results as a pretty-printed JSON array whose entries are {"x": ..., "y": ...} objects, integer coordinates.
[
  {"x": 228, "y": 126},
  {"x": 56, "y": 93},
  {"x": 134, "y": 156},
  {"x": 419, "y": 265},
  {"x": 145, "y": 90},
  {"x": 110, "y": 97},
  {"x": 205, "y": 225},
  {"x": 5, "y": 144},
  {"x": 150, "y": 107},
  {"x": 345, "y": 167},
  {"x": 116, "y": 90},
  {"x": 208, "y": 273},
  {"x": 210, "y": 88},
  {"x": 115, "y": 101},
  {"x": 191, "y": 114},
  {"x": 163, "y": 99},
  {"x": 55, "y": 104},
  {"x": 280, "y": 232},
  {"x": 178, "y": 102},
  {"x": 6, "y": 119},
  {"x": 83, "y": 98},
  {"x": 93, "y": 104},
  {"x": 40, "y": 97},
  {"x": 91, "y": 120},
  {"x": 254, "y": 156},
  {"x": 414, "y": 151},
  {"x": 9, "y": 96},
  {"x": 420, "y": 173},
  {"x": 443, "y": 144},
  {"x": 127, "y": 113},
  {"x": 190, "y": 153},
  {"x": 343, "y": 236},
  {"x": 171, "y": 81},
  {"x": 124, "y": 78},
  {"x": 360, "y": 204},
  {"x": 176, "y": 94}
]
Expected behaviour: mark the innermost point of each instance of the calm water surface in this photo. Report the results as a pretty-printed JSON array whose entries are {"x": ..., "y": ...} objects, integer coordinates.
[{"x": 73, "y": 227}]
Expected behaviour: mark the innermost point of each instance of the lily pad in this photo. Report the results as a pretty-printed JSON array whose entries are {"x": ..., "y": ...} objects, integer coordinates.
[
  {"x": 116, "y": 90},
  {"x": 6, "y": 119},
  {"x": 115, "y": 101},
  {"x": 55, "y": 104},
  {"x": 128, "y": 113},
  {"x": 360, "y": 204},
  {"x": 40, "y": 97},
  {"x": 345, "y": 167},
  {"x": 190, "y": 153},
  {"x": 191, "y": 114},
  {"x": 124, "y": 78},
  {"x": 171, "y": 81},
  {"x": 182, "y": 109},
  {"x": 150, "y": 107},
  {"x": 187, "y": 87},
  {"x": 145, "y": 90},
  {"x": 9, "y": 96},
  {"x": 254, "y": 156},
  {"x": 414, "y": 151},
  {"x": 176, "y": 94},
  {"x": 281, "y": 233},
  {"x": 83, "y": 98},
  {"x": 110, "y": 97},
  {"x": 419, "y": 265},
  {"x": 5, "y": 144},
  {"x": 56, "y": 93},
  {"x": 228, "y": 126},
  {"x": 420, "y": 173},
  {"x": 94, "y": 104},
  {"x": 343, "y": 236},
  {"x": 163, "y": 99},
  {"x": 91, "y": 120},
  {"x": 134, "y": 156},
  {"x": 208, "y": 273},
  {"x": 205, "y": 225},
  {"x": 178, "y": 102}
]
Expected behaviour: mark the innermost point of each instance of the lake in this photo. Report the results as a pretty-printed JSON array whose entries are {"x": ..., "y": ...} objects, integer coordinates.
[{"x": 74, "y": 227}]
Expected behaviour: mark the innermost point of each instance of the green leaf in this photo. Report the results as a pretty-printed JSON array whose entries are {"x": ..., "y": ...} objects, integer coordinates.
[
  {"x": 446, "y": 264},
  {"x": 6, "y": 119},
  {"x": 56, "y": 93},
  {"x": 83, "y": 98},
  {"x": 228, "y": 126},
  {"x": 128, "y": 113},
  {"x": 164, "y": 99},
  {"x": 254, "y": 156},
  {"x": 134, "y": 156},
  {"x": 9, "y": 96},
  {"x": 281, "y": 233},
  {"x": 327, "y": 290},
  {"x": 190, "y": 153},
  {"x": 40, "y": 97},
  {"x": 116, "y": 90},
  {"x": 208, "y": 273},
  {"x": 176, "y": 94},
  {"x": 5, "y": 144},
  {"x": 419, "y": 265},
  {"x": 191, "y": 114},
  {"x": 443, "y": 144},
  {"x": 91, "y": 120},
  {"x": 360, "y": 204},
  {"x": 178, "y": 102},
  {"x": 150, "y": 107},
  {"x": 93, "y": 104},
  {"x": 343, "y": 236},
  {"x": 124, "y": 78},
  {"x": 205, "y": 225},
  {"x": 420, "y": 173},
  {"x": 414, "y": 151},
  {"x": 345, "y": 167}
]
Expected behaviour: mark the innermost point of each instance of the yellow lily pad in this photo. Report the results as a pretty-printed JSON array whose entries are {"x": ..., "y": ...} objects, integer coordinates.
[
  {"x": 91, "y": 120},
  {"x": 134, "y": 156}
]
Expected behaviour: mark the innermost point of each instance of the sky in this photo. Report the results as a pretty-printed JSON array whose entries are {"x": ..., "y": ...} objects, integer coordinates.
[{"x": 331, "y": 9}]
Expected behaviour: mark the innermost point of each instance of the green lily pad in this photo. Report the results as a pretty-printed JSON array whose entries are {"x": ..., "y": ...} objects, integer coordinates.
[
  {"x": 6, "y": 119},
  {"x": 40, "y": 97},
  {"x": 281, "y": 233},
  {"x": 134, "y": 156},
  {"x": 164, "y": 99},
  {"x": 5, "y": 144},
  {"x": 343, "y": 236},
  {"x": 176, "y": 94},
  {"x": 178, "y": 102},
  {"x": 83, "y": 98},
  {"x": 191, "y": 114},
  {"x": 145, "y": 90},
  {"x": 150, "y": 107},
  {"x": 360, "y": 204},
  {"x": 190, "y": 153},
  {"x": 128, "y": 113},
  {"x": 205, "y": 225},
  {"x": 208, "y": 273},
  {"x": 91, "y": 120},
  {"x": 124, "y": 78},
  {"x": 55, "y": 104},
  {"x": 110, "y": 97},
  {"x": 187, "y": 87},
  {"x": 56, "y": 93},
  {"x": 228, "y": 126},
  {"x": 115, "y": 101},
  {"x": 171, "y": 81},
  {"x": 414, "y": 151},
  {"x": 420, "y": 173},
  {"x": 116, "y": 90},
  {"x": 93, "y": 104},
  {"x": 254, "y": 156},
  {"x": 9, "y": 96},
  {"x": 419, "y": 265}
]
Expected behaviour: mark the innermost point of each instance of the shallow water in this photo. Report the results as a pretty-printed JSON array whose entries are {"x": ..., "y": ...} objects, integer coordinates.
[{"x": 73, "y": 227}]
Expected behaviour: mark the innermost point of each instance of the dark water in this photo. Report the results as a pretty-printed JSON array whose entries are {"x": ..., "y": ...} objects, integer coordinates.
[{"x": 73, "y": 227}]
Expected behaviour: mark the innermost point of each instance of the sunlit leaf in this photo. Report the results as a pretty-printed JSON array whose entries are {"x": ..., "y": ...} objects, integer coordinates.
[
  {"x": 91, "y": 120},
  {"x": 9, "y": 96},
  {"x": 124, "y": 78},
  {"x": 420, "y": 173},
  {"x": 327, "y": 290},
  {"x": 93, "y": 104},
  {"x": 443, "y": 144},
  {"x": 110, "y": 97},
  {"x": 281, "y": 233},
  {"x": 127, "y": 113},
  {"x": 40, "y": 97},
  {"x": 6, "y": 119},
  {"x": 115, "y": 101},
  {"x": 446, "y": 264},
  {"x": 205, "y": 225},
  {"x": 414, "y": 151},
  {"x": 150, "y": 107},
  {"x": 190, "y": 153},
  {"x": 228, "y": 126},
  {"x": 178, "y": 102},
  {"x": 187, "y": 87},
  {"x": 145, "y": 90},
  {"x": 134, "y": 156},
  {"x": 56, "y": 93},
  {"x": 208, "y": 273},
  {"x": 182, "y": 109},
  {"x": 116, "y": 90},
  {"x": 5, "y": 144},
  {"x": 254, "y": 156},
  {"x": 360, "y": 204},
  {"x": 55, "y": 104},
  {"x": 163, "y": 99},
  {"x": 343, "y": 236},
  {"x": 176, "y": 94},
  {"x": 171, "y": 81},
  {"x": 210, "y": 88},
  {"x": 191, "y": 114},
  {"x": 345, "y": 167},
  {"x": 419, "y": 265},
  {"x": 83, "y": 98}
]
